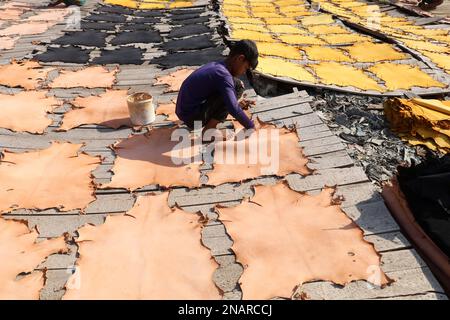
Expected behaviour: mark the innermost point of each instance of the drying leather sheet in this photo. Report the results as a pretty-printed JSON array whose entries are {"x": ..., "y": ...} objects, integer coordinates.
[
  {"x": 320, "y": 53},
  {"x": 283, "y": 68},
  {"x": 253, "y": 27},
  {"x": 106, "y": 17},
  {"x": 21, "y": 253},
  {"x": 27, "y": 111},
  {"x": 167, "y": 109},
  {"x": 123, "y": 3},
  {"x": 98, "y": 26},
  {"x": 124, "y": 55},
  {"x": 174, "y": 80},
  {"x": 88, "y": 38},
  {"x": 191, "y": 21},
  {"x": 426, "y": 46},
  {"x": 186, "y": 16},
  {"x": 442, "y": 106},
  {"x": 153, "y": 158},
  {"x": 50, "y": 15},
  {"x": 421, "y": 31},
  {"x": 420, "y": 121},
  {"x": 268, "y": 151},
  {"x": 325, "y": 29},
  {"x": 11, "y": 14},
  {"x": 90, "y": 77},
  {"x": 442, "y": 39},
  {"x": 26, "y": 28},
  {"x": 279, "y": 50},
  {"x": 109, "y": 109},
  {"x": 442, "y": 60},
  {"x": 135, "y": 27},
  {"x": 400, "y": 76},
  {"x": 344, "y": 75},
  {"x": 7, "y": 43},
  {"x": 15, "y": 5},
  {"x": 274, "y": 21},
  {"x": 152, "y": 252},
  {"x": 299, "y": 39},
  {"x": 234, "y": 20},
  {"x": 26, "y": 74},
  {"x": 253, "y": 35},
  {"x": 181, "y": 4},
  {"x": 180, "y": 12},
  {"x": 136, "y": 37},
  {"x": 148, "y": 13},
  {"x": 340, "y": 39},
  {"x": 188, "y": 30},
  {"x": 115, "y": 9},
  {"x": 68, "y": 54},
  {"x": 193, "y": 58},
  {"x": 284, "y": 238},
  {"x": 192, "y": 43},
  {"x": 141, "y": 20},
  {"x": 152, "y": 5},
  {"x": 374, "y": 52},
  {"x": 285, "y": 29},
  {"x": 56, "y": 177}
]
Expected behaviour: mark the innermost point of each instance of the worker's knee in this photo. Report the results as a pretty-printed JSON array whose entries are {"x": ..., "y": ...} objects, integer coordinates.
[{"x": 216, "y": 111}]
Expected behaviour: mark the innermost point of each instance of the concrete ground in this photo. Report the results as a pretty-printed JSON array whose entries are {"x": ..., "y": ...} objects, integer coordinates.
[{"x": 326, "y": 152}]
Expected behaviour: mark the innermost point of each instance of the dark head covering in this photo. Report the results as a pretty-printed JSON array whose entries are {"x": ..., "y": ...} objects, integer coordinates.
[{"x": 248, "y": 49}]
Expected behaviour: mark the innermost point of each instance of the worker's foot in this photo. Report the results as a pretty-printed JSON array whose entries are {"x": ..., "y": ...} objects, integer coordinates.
[{"x": 246, "y": 104}]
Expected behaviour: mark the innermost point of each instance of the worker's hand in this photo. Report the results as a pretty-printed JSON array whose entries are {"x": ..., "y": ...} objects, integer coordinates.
[
  {"x": 246, "y": 104},
  {"x": 257, "y": 124}
]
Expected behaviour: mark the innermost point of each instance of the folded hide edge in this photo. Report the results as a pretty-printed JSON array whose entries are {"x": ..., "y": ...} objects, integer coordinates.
[{"x": 435, "y": 258}]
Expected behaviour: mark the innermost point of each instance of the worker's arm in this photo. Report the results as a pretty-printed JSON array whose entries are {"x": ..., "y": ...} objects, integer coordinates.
[{"x": 229, "y": 98}]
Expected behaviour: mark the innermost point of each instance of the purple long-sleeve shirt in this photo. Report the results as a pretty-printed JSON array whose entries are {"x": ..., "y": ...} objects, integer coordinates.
[{"x": 212, "y": 78}]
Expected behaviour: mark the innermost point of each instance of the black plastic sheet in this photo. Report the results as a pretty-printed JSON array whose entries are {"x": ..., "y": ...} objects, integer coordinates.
[
  {"x": 427, "y": 190},
  {"x": 69, "y": 54}
]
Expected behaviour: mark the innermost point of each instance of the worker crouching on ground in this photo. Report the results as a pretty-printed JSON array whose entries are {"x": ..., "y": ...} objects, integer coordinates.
[{"x": 212, "y": 92}]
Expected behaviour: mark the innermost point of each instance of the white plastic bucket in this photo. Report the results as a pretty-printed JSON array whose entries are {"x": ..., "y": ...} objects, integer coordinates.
[{"x": 141, "y": 108}]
